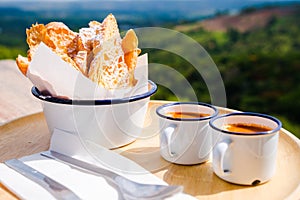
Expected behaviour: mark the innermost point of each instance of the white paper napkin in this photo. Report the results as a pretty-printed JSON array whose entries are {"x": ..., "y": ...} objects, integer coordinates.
[
  {"x": 47, "y": 71},
  {"x": 85, "y": 185}
]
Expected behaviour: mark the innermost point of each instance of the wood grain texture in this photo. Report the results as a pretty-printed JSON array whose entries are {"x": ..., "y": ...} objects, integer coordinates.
[
  {"x": 24, "y": 136},
  {"x": 30, "y": 135},
  {"x": 16, "y": 99}
]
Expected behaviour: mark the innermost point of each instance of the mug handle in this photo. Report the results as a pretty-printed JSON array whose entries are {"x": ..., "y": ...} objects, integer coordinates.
[
  {"x": 167, "y": 133},
  {"x": 218, "y": 157}
]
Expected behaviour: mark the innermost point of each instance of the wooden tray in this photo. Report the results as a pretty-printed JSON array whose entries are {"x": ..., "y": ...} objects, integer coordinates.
[{"x": 30, "y": 135}]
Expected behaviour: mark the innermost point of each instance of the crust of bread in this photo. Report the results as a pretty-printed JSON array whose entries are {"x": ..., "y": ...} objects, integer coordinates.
[
  {"x": 131, "y": 52},
  {"x": 130, "y": 41},
  {"x": 22, "y": 63}
]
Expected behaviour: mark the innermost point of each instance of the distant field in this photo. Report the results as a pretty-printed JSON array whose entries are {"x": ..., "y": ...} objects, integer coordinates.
[{"x": 249, "y": 19}]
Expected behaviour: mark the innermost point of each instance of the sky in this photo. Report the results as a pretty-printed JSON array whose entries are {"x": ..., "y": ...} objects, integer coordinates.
[
  {"x": 153, "y": 0},
  {"x": 207, "y": 6}
]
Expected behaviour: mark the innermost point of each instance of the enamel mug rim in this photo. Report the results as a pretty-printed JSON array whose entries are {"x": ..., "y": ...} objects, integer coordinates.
[
  {"x": 274, "y": 119},
  {"x": 160, "y": 108}
]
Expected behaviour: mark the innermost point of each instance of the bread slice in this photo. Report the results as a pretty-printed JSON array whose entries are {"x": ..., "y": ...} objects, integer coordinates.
[
  {"x": 55, "y": 35},
  {"x": 131, "y": 52},
  {"x": 114, "y": 59},
  {"x": 35, "y": 35},
  {"x": 98, "y": 51}
]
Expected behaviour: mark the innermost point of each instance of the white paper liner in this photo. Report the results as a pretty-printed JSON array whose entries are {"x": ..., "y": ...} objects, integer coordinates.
[{"x": 47, "y": 71}]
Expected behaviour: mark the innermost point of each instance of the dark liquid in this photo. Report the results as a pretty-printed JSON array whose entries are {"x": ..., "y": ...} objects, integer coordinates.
[
  {"x": 187, "y": 115},
  {"x": 246, "y": 128}
]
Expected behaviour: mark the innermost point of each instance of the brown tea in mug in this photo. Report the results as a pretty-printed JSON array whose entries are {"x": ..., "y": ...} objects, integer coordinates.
[
  {"x": 187, "y": 115},
  {"x": 246, "y": 128}
]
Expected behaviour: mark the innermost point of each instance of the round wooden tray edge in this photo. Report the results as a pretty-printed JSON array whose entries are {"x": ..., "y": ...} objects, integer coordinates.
[
  {"x": 296, "y": 193},
  {"x": 20, "y": 118}
]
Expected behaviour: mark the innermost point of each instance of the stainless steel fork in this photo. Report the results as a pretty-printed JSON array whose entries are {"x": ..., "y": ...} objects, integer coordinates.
[{"x": 130, "y": 189}]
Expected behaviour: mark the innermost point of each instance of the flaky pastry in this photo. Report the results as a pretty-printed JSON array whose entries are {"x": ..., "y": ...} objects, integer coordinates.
[{"x": 97, "y": 51}]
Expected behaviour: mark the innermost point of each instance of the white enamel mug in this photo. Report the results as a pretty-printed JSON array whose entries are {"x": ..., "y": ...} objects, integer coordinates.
[
  {"x": 241, "y": 158},
  {"x": 185, "y": 141}
]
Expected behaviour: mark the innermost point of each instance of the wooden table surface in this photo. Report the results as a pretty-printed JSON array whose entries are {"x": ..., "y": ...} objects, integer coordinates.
[
  {"x": 30, "y": 135},
  {"x": 16, "y": 99}
]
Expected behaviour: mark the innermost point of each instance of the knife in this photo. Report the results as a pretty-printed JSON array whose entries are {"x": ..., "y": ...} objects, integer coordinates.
[{"x": 58, "y": 190}]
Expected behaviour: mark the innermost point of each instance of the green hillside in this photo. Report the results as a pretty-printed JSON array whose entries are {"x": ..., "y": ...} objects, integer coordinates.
[{"x": 260, "y": 68}]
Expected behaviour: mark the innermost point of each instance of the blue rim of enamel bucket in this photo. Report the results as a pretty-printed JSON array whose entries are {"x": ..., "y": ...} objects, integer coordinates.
[{"x": 48, "y": 98}]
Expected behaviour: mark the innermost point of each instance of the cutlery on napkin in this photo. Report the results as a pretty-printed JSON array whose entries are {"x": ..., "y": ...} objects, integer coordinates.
[{"x": 85, "y": 185}]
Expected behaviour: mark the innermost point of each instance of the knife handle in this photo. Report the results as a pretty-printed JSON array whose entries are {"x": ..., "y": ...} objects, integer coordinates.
[{"x": 58, "y": 190}]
